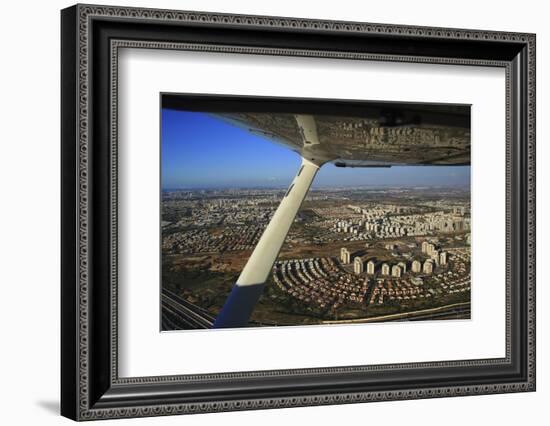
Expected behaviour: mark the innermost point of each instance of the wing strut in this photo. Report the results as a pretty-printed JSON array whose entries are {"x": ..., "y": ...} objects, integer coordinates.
[{"x": 249, "y": 287}]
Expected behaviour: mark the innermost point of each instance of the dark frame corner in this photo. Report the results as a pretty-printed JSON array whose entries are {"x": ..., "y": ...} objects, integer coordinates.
[{"x": 90, "y": 37}]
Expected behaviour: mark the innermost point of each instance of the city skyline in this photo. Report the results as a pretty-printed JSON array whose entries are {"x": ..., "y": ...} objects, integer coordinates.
[{"x": 203, "y": 152}]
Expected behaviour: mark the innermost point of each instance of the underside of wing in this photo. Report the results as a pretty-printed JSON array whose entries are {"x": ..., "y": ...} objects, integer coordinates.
[
  {"x": 347, "y": 133},
  {"x": 358, "y": 141}
]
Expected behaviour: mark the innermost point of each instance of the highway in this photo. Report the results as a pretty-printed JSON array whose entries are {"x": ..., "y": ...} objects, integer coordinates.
[
  {"x": 453, "y": 311},
  {"x": 179, "y": 314}
]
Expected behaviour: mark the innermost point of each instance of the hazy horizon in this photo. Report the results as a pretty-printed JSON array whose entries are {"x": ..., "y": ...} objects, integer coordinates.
[{"x": 316, "y": 188}]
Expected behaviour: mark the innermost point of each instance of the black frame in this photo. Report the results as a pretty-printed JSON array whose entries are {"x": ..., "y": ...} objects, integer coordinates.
[{"x": 90, "y": 386}]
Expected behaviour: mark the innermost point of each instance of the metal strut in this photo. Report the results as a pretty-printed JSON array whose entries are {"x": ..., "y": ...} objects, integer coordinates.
[{"x": 249, "y": 287}]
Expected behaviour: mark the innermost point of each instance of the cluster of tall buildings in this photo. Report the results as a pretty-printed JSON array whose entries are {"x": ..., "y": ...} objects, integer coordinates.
[
  {"x": 390, "y": 222},
  {"x": 381, "y": 228},
  {"x": 436, "y": 258},
  {"x": 435, "y": 254}
]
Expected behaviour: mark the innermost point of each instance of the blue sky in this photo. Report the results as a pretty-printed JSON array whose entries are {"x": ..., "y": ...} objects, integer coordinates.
[{"x": 200, "y": 151}]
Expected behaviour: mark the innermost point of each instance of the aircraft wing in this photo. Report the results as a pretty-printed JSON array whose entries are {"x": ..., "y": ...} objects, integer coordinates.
[
  {"x": 359, "y": 142},
  {"x": 347, "y": 133}
]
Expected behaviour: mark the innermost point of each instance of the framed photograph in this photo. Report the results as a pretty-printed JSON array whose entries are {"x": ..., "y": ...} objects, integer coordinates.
[{"x": 263, "y": 212}]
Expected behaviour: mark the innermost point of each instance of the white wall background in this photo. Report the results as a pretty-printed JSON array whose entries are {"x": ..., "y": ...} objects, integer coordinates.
[{"x": 29, "y": 215}]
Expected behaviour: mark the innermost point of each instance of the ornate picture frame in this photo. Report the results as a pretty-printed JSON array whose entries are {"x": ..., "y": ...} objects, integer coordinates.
[{"x": 91, "y": 37}]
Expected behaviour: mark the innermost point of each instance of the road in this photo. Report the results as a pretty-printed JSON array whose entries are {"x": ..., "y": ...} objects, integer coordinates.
[
  {"x": 179, "y": 314},
  {"x": 454, "y": 311}
]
